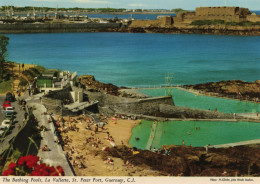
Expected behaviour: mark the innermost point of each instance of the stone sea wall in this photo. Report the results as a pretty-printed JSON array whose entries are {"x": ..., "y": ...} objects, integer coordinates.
[
  {"x": 205, "y": 29},
  {"x": 58, "y": 27},
  {"x": 115, "y": 104},
  {"x": 147, "y": 106}
]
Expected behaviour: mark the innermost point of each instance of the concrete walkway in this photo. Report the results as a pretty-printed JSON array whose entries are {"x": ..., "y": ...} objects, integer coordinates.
[
  {"x": 250, "y": 115},
  {"x": 256, "y": 141},
  {"x": 56, "y": 156}
]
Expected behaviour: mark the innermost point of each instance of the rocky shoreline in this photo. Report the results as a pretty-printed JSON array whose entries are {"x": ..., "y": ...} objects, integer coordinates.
[
  {"x": 214, "y": 30},
  {"x": 234, "y": 89},
  {"x": 117, "y": 27},
  {"x": 195, "y": 161}
]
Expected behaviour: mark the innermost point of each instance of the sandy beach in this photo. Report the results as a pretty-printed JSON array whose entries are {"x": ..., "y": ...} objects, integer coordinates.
[{"x": 90, "y": 158}]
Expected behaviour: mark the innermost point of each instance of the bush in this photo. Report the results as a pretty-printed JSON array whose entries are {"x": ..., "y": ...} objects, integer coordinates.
[
  {"x": 23, "y": 82},
  {"x": 33, "y": 72},
  {"x": 16, "y": 154},
  {"x": 5, "y": 86}
]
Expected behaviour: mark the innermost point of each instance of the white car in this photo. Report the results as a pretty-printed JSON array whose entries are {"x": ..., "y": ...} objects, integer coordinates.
[
  {"x": 6, "y": 123},
  {"x": 2, "y": 130},
  {"x": 1, "y": 133},
  {"x": 11, "y": 109}
]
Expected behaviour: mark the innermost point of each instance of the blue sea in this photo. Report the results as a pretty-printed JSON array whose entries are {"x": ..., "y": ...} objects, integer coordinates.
[{"x": 142, "y": 60}]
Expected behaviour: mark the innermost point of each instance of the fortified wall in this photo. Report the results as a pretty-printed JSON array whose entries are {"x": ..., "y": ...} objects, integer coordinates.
[
  {"x": 227, "y": 14},
  {"x": 161, "y": 21}
]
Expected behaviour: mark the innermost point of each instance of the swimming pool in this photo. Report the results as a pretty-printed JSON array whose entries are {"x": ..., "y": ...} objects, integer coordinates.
[
  {"x": 195, "y": 133},
  {"x": 183, "y": 98}
]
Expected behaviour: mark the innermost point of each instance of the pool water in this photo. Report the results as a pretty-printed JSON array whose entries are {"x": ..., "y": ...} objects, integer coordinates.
[
  {"x": 187, "y": 99},
  {"x": 174, "y": 132}
]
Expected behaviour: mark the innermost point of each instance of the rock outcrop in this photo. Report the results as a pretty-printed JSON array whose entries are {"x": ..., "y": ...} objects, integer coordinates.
[
  {"x": 233, "y": 89},
  {"x": 90, "y": 82},
  {"x": 194, "y": 161}
]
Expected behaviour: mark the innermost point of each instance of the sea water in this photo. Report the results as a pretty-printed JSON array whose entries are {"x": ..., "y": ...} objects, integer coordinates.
[{"x": 142, "y": 60}]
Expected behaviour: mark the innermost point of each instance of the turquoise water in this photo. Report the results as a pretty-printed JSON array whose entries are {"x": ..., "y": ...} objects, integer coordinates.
[
  {"x": 134, "y": 60},
  {"x": 212, "y": 133},
  {"x": 183, "y": 99}
]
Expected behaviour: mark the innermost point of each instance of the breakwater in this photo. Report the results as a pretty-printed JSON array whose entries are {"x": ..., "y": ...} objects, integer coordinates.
[
  {"x": 207, "y": 29},
  {"x": 117, "y": 27},
  {"x": 59, "y": 27}
]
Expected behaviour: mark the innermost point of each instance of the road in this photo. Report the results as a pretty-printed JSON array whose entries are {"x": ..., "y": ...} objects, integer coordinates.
[{"x": 17, "y": 122}]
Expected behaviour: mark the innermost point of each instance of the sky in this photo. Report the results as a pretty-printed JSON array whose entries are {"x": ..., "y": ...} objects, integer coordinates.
[{"x": 134, "y": 4}]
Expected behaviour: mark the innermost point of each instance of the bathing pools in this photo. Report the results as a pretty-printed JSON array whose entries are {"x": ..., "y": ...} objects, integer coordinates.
[
  {"x": 195, "y": 133},
  {"x": 184, "y": 98}
]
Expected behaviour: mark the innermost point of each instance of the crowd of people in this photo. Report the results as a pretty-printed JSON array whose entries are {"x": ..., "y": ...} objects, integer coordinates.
[{"x": 63, "y": 127}]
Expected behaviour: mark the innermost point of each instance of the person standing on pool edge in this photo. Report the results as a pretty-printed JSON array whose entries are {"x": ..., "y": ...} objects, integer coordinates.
[{"x": 207, "y": 148}]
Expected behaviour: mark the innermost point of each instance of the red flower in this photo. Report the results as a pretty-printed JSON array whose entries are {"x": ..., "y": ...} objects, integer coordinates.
[
  {"x": 21, "y": 161},
  {"x": 55, "y": 173},
  {"x": 29, "y": 160},
  {"x": 33, "y": 168},
  {"x": 8, "y": 172},
  {"x": 12, "y": 166},
  {"x": 44, "y": 170},
  {"x": 32, "y": 163},
  {"x": 60, "y": 170}
]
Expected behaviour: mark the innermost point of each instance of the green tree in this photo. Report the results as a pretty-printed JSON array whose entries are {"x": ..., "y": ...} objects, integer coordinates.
[{"x": 3, "y": 53}]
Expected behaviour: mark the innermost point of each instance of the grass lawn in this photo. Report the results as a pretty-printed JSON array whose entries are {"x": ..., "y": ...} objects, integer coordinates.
[{"x": 6, "y": 86}]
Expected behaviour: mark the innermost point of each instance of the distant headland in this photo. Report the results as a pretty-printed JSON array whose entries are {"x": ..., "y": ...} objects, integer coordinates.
[{"x": 204, "y": 20}]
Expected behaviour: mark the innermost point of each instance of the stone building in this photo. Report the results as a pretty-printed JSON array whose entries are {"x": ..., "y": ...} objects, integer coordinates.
[
  {"x": 227, "y": 14},
  {"x": 161, "y": 21}
]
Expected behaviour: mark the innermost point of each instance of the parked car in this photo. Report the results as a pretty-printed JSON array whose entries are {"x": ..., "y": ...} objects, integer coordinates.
[
  {"x": 2, "y": 130},
  {"x": 6, "y": 123},
  {"x": 11, "y": 109},
  {"x": 10, "y": 97},
  {"x": 6, "y": 104},
  {"x": 9, "y": 115}
]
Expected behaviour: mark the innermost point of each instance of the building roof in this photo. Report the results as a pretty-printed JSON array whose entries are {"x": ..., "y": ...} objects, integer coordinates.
[{"x": 50, "y": 72}]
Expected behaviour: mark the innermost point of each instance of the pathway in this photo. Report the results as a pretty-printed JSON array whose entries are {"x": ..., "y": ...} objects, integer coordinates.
[
  {"x": 256, "y": 141},
  {"x": 151, "y": 137},
  {"x": 56, "y": 156}
]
